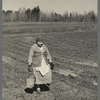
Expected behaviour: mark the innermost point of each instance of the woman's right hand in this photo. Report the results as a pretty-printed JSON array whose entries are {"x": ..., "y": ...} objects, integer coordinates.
[{"x": 30, "y": 69}]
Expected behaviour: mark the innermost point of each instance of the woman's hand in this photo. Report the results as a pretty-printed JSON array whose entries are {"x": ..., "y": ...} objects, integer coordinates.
[
  {"x": 30, "y": 69},
  {"x": 49, "y": 61},
  {"x": 51, "y": 65}
]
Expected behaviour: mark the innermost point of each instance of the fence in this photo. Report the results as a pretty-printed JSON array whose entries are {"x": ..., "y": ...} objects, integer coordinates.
[{"x": 48, "y": 29}]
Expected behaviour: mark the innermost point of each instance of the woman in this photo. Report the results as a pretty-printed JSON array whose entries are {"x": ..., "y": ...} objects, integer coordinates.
[{"x": 39, "y": 59}]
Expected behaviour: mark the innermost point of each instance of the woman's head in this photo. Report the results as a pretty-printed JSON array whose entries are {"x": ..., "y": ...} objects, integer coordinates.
[{"x": 39, "y": 41}]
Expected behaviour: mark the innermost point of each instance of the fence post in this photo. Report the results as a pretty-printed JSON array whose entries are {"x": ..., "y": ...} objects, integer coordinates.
[
  {"x": 66, "y": 29},
  {"x": 41, "y": 30},
  {"x": 51, "y": 29},
  {"x": 59, "y": 29}
]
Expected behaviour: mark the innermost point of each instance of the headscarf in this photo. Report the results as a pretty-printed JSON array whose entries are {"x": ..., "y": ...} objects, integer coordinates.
[{"x": 39, "y": 39}]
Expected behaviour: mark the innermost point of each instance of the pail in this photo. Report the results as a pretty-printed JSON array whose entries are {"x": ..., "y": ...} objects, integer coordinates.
[{"x": 30, "y": 81}]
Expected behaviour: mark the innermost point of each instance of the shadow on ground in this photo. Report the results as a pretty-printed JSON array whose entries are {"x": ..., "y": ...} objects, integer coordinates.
[{"x": 43, "y": 87}]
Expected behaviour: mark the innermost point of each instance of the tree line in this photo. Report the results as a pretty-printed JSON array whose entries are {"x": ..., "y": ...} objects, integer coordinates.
[{"x": 36, "y": 15}]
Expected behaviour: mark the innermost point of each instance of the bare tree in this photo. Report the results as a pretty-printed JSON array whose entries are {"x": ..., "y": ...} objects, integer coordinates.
[
  {"x": 20, "y": 13},
  {"x": 35, "y": 14}
]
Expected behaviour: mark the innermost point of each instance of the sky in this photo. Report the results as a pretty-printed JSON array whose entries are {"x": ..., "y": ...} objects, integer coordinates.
[{"x": 58, "y": 6}]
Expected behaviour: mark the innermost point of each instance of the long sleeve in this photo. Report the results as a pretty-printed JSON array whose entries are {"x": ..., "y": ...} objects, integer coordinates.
[
  {"x": 48, "y": 55},
  {"x": 31, "y": 53}
]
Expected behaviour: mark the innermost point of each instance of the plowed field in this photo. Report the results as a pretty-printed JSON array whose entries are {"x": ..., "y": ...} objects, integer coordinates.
[{"x": 74, "y": 54}]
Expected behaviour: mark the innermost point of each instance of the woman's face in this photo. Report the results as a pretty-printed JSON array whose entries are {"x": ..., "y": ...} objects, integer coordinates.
[{"x": 40, "y": 44}]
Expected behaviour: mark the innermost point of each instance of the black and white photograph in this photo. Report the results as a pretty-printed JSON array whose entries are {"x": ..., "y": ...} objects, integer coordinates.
[{"x": 49, "y": 50}]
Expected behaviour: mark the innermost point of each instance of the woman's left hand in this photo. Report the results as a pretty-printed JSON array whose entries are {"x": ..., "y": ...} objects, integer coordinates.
[{"x": 51, "y": 65}]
